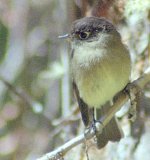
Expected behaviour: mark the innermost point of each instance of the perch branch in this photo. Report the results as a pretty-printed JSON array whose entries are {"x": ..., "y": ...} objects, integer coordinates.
[{"x": 121, "y": 99}]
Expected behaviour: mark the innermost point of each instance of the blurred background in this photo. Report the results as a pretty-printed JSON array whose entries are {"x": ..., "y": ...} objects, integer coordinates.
[{"x": 37, "y": 110}]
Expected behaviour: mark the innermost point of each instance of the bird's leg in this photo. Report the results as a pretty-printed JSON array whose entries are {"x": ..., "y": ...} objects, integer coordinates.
[
  {"x": 134, "y": 92},
  {"x": 96, "y": 126}
]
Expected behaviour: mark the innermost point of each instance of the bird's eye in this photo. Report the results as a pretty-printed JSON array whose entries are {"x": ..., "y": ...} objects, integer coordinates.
[{"x": 84, "y": 35}]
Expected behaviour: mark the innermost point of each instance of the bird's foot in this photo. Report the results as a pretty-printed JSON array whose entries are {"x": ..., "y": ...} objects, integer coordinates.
[{"x": 97, "y": 127}]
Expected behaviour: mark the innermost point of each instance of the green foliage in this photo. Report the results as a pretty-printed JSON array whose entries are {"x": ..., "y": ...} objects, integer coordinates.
[{"x": 3, "y": 40}]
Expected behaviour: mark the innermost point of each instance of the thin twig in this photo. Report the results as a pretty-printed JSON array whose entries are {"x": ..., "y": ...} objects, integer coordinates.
[
  {"x": 56, "y": 154},
  {"x": 121, "y": 99},
  {"x": 20, "y": 93}
]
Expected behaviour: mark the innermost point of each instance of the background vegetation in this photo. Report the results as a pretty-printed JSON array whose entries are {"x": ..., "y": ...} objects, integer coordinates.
[{"x": 37, "y": 110}]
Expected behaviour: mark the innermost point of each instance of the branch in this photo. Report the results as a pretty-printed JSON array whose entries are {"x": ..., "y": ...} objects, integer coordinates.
[
  {"x": 17, "y": 91},
  {"x": 23, "y": 96},
  {"x": 121, "y": 99}
]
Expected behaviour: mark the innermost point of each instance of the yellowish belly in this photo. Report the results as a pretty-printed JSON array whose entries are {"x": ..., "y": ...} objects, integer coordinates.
[{"x": 99, "y": 84}]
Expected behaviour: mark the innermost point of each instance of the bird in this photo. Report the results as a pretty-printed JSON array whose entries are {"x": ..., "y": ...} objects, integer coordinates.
[{"x": 100, "y": 68}]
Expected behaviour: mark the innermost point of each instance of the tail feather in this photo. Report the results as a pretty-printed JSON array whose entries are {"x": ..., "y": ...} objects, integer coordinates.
[{"x": 111, "y": 132}]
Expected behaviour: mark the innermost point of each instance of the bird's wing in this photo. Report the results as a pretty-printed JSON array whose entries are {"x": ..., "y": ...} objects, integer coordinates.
[{"x": 86, "y": 112}]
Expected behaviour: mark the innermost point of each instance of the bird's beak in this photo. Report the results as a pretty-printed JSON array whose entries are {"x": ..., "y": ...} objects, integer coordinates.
[{"x": 65, "y": 36}]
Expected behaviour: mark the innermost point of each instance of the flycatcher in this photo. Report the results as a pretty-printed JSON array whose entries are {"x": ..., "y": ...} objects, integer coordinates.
[{"x": 101, "y": 67}]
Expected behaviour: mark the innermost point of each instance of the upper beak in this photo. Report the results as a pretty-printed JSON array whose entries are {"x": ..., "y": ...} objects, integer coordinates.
[{"x": 66, "y": 36}]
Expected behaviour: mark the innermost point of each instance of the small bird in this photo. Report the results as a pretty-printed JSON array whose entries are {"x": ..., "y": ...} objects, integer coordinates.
[{"x": 101, "y": 67}]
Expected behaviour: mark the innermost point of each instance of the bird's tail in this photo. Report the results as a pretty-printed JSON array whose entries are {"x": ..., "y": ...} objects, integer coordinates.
[{"x": 111, "y": 132}]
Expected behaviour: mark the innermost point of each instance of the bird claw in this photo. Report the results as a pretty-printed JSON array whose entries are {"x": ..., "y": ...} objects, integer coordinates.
[{"x": 97, "y": 127}]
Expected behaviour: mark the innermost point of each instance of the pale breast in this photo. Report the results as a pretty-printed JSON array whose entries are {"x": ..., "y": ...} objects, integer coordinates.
[{"x": 101, "y": 79}]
